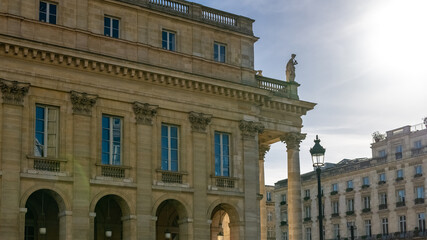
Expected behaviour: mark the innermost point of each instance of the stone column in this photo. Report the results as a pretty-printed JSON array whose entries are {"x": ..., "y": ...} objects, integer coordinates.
[
  {"x": 199, "y": 123},
  {"x": 263, "y": 149},
  {"x": 82, "y": 162},
  {"x": 144, "y": 114},
  {"x": 13, "y": 94},
  {"x": 293, "y": 141},
  {"x": 249, "y": 131}
]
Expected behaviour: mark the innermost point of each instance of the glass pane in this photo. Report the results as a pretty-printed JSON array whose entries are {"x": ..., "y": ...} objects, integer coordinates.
[
  {"x": 116, "y": 123},
  {"x": 39, "y": 126},
  {"x": 52, "y": 9},
  {"x": 105, "y": 158},
  {"x": 105, "y": 147},
  {"x": 164, "y": 142},
  {"x": 115, "y": 33},
  {"x": 116, "y": 136},
  {"x": 116, "y": 159},
  {"x": 164, "y": 164},
  {"x": 174, "y": 132},
  {"x": 164, "y": 131},
  {"x": 105, "y": 134},
  {"x": 222, "y": 48},
  {"x": 174, "y": 155},
  {"x": 217, "y": 138},
  {"x": 217, "y": 166},
  {"x": 43, "y": 7},
  {"x": 172, "y": 41},
  {"x": 40, "y": 112},
  {"x": 165, "y": 154},
  {"x": 40, "y": 138},
  {"x": 174, "y": 143},
  {"x": 216, "y": 52},
  {"x": 107, "y": 22},
  {"x": 115, "y": 24},
  {"x": 164, "y": 40},
  {"x": 105, "y": 122},
  {"x": 174, "y": 166},
  {"x": 225, "y": 139}
]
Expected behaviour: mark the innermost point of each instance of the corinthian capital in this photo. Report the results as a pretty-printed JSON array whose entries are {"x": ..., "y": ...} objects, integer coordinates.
[
  {"x": 144, "y": 113},
  {"x": 199, "y": 121},
  {"x": 83, "y": 102},
  {"x": 263, "y": 149},
  {"x": 293, "y": 140},
  {"x": 13, "y": 92},
  {"x": 250, "y": 129}
]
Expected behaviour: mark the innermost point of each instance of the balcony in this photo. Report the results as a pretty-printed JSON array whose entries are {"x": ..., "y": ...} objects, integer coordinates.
[
  {"x": 307, "y": 219},
  {"x": 278, "y": 87},
  {"x": 349, "y": 213},
  {"x": 334, "y": 193},
  {"x": 283, "y": 223},
  {"x": 44, "y": 165},
  {"x": 112, "y": 171},
  {"x": 398, "y": 155},
  {"x": 306, "y": 198},
  {"x": 335, "y": 215},
  {"x": 382, "y": 206},
  {"x": 283, "y": 203},
  {"x": 364, "y": 186},
  {"x": 349, "y": 189},
  {"x": 418, "y": 175},
  {"x": 400, "y": 204},
  {"x": 224, "y": 183},
  {"x": 398, "y": 179},
  {"x": 417, "y": 151},
  {"x": 171, "y": 177},
  {"x": 419, "y": 200},
  {"x": 381, "y": 182},
  {"x": 366, "y": 210}
]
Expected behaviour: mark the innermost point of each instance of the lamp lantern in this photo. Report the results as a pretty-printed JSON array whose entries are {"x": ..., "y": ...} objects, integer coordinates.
[{"x": 317, "y": 153}]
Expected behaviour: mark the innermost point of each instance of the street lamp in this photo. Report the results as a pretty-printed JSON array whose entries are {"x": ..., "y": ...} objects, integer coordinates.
[{"x": 317, "y": 154}]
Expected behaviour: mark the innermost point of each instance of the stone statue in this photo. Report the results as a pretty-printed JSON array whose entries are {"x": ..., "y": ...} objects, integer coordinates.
[{"x": 290, "y": 69}]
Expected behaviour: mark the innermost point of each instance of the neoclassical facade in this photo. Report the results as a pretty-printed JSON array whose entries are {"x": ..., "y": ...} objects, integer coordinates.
[
  {"x": 124, "y": 119},
  {"x": 382, "y": 197}
]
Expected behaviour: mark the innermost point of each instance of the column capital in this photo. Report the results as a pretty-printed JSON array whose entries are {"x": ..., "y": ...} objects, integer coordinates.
[
  {"x": 263, "y": 149},
  {"x": 250, "y": 128},
  {"x": 83, "y": 102},
  {"x": 13, "y": 92},
  {"x": 144, "y": 112},
  {"x": 293, "y": 140},
  {"x": 199, "y": 121}
]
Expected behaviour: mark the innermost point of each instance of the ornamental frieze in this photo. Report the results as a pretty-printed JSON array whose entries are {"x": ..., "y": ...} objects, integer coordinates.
[
  {"x": 13, "y": 92},
  {"x": 250, "y": 128},
  {"x": 293, "y": 140},
  {"x": 83, "y": 102},
  {"x": 199, "y": 121},
  {"x": 144, "y": 113}
]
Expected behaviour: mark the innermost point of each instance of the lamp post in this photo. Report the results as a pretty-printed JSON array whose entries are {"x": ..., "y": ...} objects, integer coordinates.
[{"x": 317, "y": 154}]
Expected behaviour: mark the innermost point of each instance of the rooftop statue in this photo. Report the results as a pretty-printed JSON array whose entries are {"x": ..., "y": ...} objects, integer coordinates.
[{"x": 290, "y": 68}]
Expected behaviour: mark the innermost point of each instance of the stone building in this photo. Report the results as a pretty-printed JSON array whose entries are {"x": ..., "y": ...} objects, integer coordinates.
[
  {"x": 136, "y": 119},
  {"x": 381, "y": 197}
]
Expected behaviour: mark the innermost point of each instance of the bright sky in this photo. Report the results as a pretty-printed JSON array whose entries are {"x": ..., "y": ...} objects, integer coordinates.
[{"x": 363, "y": 62}]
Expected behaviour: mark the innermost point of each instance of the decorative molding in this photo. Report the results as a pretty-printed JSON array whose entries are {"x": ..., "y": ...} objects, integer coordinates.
[
  {"x": 293, "y": 140},
  {"x": 83, "y": 102},
  {"x": 250, "y": 128},
  {"x": 199, "y": 121},
  {"x": 263, "y": 149},
  {"x": 13, "y": 92},
  {"x": 237, "y": 91},
  {"x": 144, "y": 112}
]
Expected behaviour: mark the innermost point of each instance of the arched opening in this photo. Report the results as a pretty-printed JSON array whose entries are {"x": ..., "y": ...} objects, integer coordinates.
[
  {"x": 41, "y": 219},
  {"x": 108, "y": 220},
  {"x": 171, "y": 224},
  {"x": 223, "y": 225}
]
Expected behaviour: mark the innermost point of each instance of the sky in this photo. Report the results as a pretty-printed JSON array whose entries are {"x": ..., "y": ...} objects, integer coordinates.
[{"x": 363, "y": 62}]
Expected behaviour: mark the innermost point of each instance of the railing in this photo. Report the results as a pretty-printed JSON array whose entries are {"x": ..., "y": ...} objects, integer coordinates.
[
  {"x": 112, "y": 171},
  {"x": 417, "y": 151},
  {"x": 382, "y": 206},
  {"x": 172, "y": 177},
  {"x": 47, "y": 165},
  {"x": 224, "y": 182},
  {"x": 419, "y": 200},
  {"x": 172, "y": 5},
  {"x": 400, "y": 204},
  {"x": 216, "y": 16}
]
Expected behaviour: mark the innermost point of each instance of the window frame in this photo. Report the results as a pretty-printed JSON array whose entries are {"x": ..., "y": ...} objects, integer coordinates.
[
  {"x": 46, "y": 139},
  {"x": 383, "y": 198},
  {"x": 418, "y": 169},
  {"x": 111, "y": 20},
  {"x": 365, "y": 181},
  {"x": 419, "y": 192},
  {"x": 402, "y": 224},
  {"x": 111, "y": 140},
  {"x": 366, "y": 201},
  {"x": 170, "y": 44},
  {"x": 350, "y": 184},
  {"x": 222, "y": 169},
  {"x": 368, "y": 227},
  {"x": 400, "y": 195},
  {"x": 382, "y": 177},
  {"x": 169, "y": 147},
  {"x": 217, "y": 52},
  {"x": 350, "y": 204},
  {"x": 384, "y": 226},
  {"x": 421, "y": 221},
  {"x": 400, "y": 173},
  {"x": 48, "y": 14}
]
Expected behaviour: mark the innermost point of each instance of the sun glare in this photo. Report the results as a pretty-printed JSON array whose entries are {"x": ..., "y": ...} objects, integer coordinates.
[{"x": 398, "y": 35}]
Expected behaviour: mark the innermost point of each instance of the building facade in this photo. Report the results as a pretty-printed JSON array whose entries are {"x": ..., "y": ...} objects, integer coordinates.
[
  {"x": 136, "y": 119},
  {"x": 382, "y": 197}
]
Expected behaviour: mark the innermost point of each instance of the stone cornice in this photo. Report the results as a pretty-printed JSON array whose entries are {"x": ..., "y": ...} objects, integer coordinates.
[
  {"x": 250, "y": 128},
  {"x": 199, "y": 121},
  {"x": 293, "y": 140},
  {"x": 144, "y": 112},
  {"x": 13, "y": 92},
  {"x": 82, "y": 102},
  {"x": 237, "y": 91}
]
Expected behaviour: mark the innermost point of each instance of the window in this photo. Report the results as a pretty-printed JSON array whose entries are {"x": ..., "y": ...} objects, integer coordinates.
[
  {"x": 269, "y": 217},
  {"x": 402, "y": 224},
  {"x": 399, "y": 173},
  {"x": 335, "y": 187},
  {"x": 382, "y": 177},
  {"x": 384, "y": 224},
  {"x": 400, "y": 195},
  {"x": 46, "y": 131},
  {"x": 399, "y": 152},
  {"x": 350, "y": 184},
  {"x": 365, "y": 181},
  {"x": 169, "y": 147},
  {"x": 307, "y": 212},
  {"x": 335, "y": 207},
  {"x": 383, "y": 198},
  {"x": 111, "y": 140},
  {"x": 284, "y": 216},
  {"x": 307, "y": 193},
  {"x": 381, "y": 154},
  {"x": 308, "y": 233},
  {"x": 219, "y": 52},
  {"x": 111, "y": 27},
  {"x": 336, "y": 231},
  {"x": 283, "y": 197},
  {"x": 417, "y": 144},
  {"x": 270, "y": 232},
  {"x": 285, "y": 235},
  {"x": 367, "y": 202},
  {"x": 350, "y": 226},
  {"x": 368, "y": 228},
  {"x": 222, "y": 155},
  {"x": 268, "y": 196},
  {"x": 47, "y": 12},
  {"x": 421, "y": 222},
  {"x": 418, "y": 170},
  {"x": 168, "y": 40},
  {"x": 419, "y": 192},
  {"x": 350, "y": 205}
]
